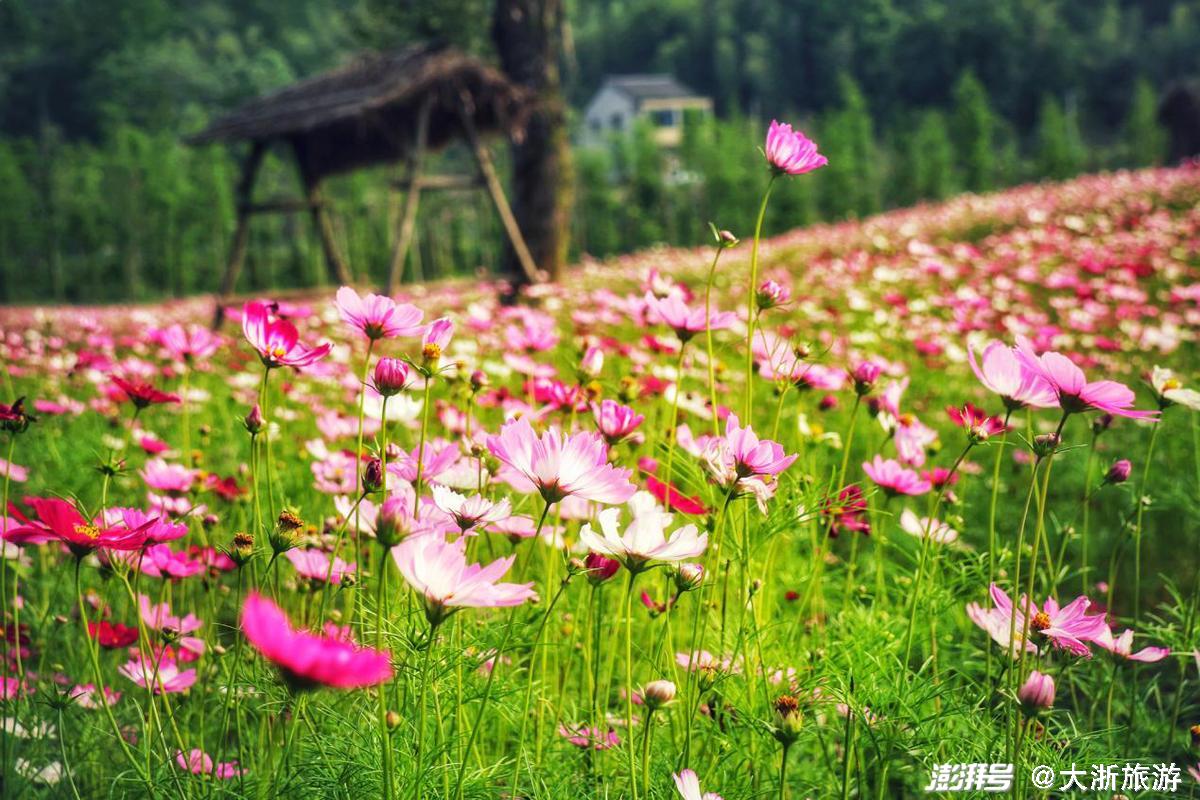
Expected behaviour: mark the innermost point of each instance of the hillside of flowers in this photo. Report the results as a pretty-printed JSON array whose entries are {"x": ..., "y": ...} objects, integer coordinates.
[{"x": 797, "y": 517}]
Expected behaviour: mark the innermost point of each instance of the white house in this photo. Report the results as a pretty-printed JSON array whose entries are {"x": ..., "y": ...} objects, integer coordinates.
[{"x": 623, "y": 99}]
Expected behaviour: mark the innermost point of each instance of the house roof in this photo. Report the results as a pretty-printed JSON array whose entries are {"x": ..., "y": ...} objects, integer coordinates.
[
  {"x": 649, "y": 87},
  {"x": 362, "y": 113}
]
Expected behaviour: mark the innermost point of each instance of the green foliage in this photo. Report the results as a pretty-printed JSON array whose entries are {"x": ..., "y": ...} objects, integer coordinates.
[
  {"x": 1144, "y": 139},
  {"x": 1060, "y": 148},
  {"x": 973, "y": 132}
]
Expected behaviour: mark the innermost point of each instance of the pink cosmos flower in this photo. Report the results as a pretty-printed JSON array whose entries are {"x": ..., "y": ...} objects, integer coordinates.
[
  {"x": 157, "y": 529},
  {"x": 158, "y": 617},
  {"x": 165, "y": 477},
  {"x": 165, "y": 674},
  {"x": 199, "y": 762},
  {"x": 644, "y": 542},
  {"x": 1123, "y": 646},
  {"x": 560, "y": 466},
  {"x": 893, "y": 478},
  {"x": 189, "y": 344},
  {"x": 1068, "y": 628},
  {"x": 587, "y": 737},
  {"x": 616, "y": 423},
  {"x": 1003, "y": 372},
  {"x": 85, "y": 695},
  {"x": 1037, "y": 693},
  {"x": 314, "y": 565},
  {"x": 1075, "y": 393},
  {"x": 437, "y": 338},
  {"x": 688, "y": 786},
  {"x": 438, "y": 570},
  {"x": 377, "y": 316},
  {"x": 470, "y": 512},
  {"x": 277, "y": 340},
  {"x": 791, "y": 152},
  {"x": 306, "y": 659},
  {"x": 741, "y": 458},
  {"x": 158, "y": 561},
  {"x": 673, "y": 312}
]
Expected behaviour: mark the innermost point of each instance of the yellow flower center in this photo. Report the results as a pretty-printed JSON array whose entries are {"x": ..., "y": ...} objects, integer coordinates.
[
  {"x": 90, "y": 531},
  {"x": 277, "y": 352},
  {"x": 1171, "y": 383}
]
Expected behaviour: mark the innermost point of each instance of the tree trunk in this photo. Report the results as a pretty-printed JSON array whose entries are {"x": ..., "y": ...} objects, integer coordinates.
[{"x": 528, "y": 37}]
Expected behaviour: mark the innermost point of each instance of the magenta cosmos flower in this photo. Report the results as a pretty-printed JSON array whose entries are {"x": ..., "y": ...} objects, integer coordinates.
[
  {"x": 976, "y": 422},
  {"x": 791, "y": 152},
  {"x": 163, "y": 675},
  {"x": 561, "y": 466},
  {"x": 58, "y": 519},
  {"x": 1019, "y": 386},
  {"x": 314, "y": 565},
  {"x": 439, "y": 571},
  {"x": 893, "y": 478},
  {"x": 198, "y": 762},
  {"x": 276, "y": 340},
  {"x": 377, "y": 316},
  {"x": 740, "y": 454},
  {"x": 306, "y": 659},
  {"x": 1075, "y": 393},
  {"x": 615, "y": 422},
  {"x": 686, "y": 322}
]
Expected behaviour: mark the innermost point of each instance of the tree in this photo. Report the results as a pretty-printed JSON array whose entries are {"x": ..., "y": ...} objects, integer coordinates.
[
  {"x": 1060, "y": 148},
  {"x": 1145, "y": 140},
  {"x": 528, "y": 37},
  {"x": 973, "y": 133}
]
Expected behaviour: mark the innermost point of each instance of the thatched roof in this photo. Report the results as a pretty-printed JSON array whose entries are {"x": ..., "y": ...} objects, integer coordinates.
[{"x": 365, "y": 112}]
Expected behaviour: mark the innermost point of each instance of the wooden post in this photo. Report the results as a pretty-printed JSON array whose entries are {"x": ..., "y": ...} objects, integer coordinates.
[
  {"x": 237, "y": 250},
  {"x": 412, "y": 198},
  {"x": 338, "y": 270},
  {"x": 498, "y": 199}
]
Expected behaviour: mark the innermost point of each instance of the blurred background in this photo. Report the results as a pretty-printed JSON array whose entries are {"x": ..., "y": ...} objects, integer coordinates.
[{"x": 652, "y": 112}]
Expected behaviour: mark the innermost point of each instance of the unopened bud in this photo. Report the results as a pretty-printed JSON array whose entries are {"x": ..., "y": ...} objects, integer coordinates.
[
  {"x": 1037, "y": 693},
  {"x": 241, "y": 550},
  {"x": 600, "y": 568},
  {"x": 1119, "y": 471},
  {"x": 1045, "y": 444},
  {"x": 657, "y": 694},
  {"x": 391, "y": 376},
  {"x": 372, "y": 477},
  {"x": 254, "y": 421},
  {"x": 788, "y": 719}
]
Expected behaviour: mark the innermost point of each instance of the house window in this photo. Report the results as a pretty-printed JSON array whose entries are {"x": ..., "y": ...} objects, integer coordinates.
[
  {"x": 595, "y": 124},
  {"x": 617, "y": 122},
  {"x": 663, "y": 118}
]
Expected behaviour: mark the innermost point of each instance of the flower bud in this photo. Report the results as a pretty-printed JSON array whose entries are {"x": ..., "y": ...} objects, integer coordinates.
[
  {"x": 600, "y": 568},
  {"x": 1037, "y": 694},
  {"x": 1045, "y": 444},
  {"x": 1101, "y": 423},
  {"x": 169, "y": 633},
  {"x": 865, "y": 375},
  {"x": 657, "y": 694},
  {"x": 1195, "y": 731},
  {"x": 391, "y": 376},
  {"x": 479, "y": 380},
  {"x": 394, "y": 523},
  {"x": 688, "y": 576},
  {"x": 725, "y": 239},
  {"x": 285, "y": 534},
  {"x": 254, "y": 421},
  {"x": 372, "y": 477},
  {"x": 241, "y": 550},
  {"x": 788, "y": 719},
  {"x": 592, "y": 362},
  {"x": 771, "y": 294},
  {"x": 1118, "y": 472},
  {"x": 392, "y": 719}
]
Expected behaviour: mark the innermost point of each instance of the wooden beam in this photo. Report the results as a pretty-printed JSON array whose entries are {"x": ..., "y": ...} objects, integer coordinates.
[
  {"x": 412, "y": 199},
  {"x": 441, "y": 182},
  {"x": 237, "y": 249},
  {"x": 496, "y": 190},
  {"x": 279, "y": 205}
]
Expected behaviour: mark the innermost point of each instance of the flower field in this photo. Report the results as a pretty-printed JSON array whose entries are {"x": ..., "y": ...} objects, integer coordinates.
[{"x": 802, "y": 517}]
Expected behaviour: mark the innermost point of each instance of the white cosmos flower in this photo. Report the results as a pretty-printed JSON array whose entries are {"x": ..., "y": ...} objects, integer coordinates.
[
  {"x": 644, "y": 541},
  {"x": 470, "y": 512},
  {"x": 937, "y": 531}
]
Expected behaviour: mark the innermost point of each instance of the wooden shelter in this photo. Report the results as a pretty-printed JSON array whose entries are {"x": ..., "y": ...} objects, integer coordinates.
[{"x": 380, "y": 108}]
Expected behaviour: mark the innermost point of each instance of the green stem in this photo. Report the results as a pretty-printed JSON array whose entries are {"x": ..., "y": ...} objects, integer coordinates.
[
  {"x": 712, "y": 367},
  {"x": 629, "y": 685},
  {"x": 751, "y": 299},
  {"x": 385, "y": 742}
]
